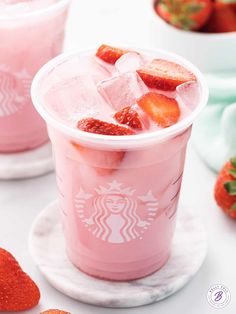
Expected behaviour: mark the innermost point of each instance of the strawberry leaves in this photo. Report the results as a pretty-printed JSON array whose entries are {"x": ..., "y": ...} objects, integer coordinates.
[
  {"x": 233, "y": 208},
  {"x": 181, "y": 14},
  {"x": 233, "y": 162},
  {"x": 232, "y": 172},
  {"x": 230, "y": 186}
]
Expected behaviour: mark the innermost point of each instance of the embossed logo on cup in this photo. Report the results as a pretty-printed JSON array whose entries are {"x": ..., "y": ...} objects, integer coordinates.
[
  {"x": 14, "y": 91},
  {"x": 117, "y": 213}
]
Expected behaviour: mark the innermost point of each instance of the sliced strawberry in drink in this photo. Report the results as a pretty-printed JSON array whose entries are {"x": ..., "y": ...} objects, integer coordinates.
[
  {"x": 104, "y": 162},
  {"x": 160, "y": 108},
  {"x": 110, "y": 54},
  {"x": 130, "y": 117},
  {"x": 96, "y": 126},
  {"x": 165, "y": 75}
]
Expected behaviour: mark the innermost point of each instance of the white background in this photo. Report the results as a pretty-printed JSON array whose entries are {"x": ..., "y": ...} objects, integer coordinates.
[{"x": 92, "y": 22}]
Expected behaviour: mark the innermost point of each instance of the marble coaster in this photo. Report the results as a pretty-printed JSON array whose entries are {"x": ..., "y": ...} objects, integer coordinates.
[
  {"x": 47, "y": 248},
  {"x": 26, "y": 164}
]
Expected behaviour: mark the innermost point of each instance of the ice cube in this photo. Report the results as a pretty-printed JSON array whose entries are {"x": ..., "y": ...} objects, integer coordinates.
[
  {"x": 188, "y": 95},
  {"x": 143, "y": 116},
  {"x": 129, "y": 62},
  {"x": 74, "y": 99},
  {"x": 122, "y": 90},
  {"x": 110, "y": 68},
  {"x": 89, "y": 65},
  {"x": 79, "y": 66}
]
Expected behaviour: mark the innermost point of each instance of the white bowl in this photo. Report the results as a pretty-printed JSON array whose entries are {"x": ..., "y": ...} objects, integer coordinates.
[{"x": 209, "y": 52}]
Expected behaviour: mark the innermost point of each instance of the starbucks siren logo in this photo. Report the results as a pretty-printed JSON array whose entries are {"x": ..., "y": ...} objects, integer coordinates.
[
  {"x": 112, "y": 214},
  {"x": 14, "y": 91}
]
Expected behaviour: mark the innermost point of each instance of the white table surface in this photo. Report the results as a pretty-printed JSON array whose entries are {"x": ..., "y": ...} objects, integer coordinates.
[{"x": 92, "y": 22}]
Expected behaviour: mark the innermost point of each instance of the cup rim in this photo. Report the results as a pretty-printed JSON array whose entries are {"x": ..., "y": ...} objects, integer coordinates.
[
  {"x": 220, "y": 36},
  {"x": 54, "y": 6},
  {"x": 111, "y": 141}
]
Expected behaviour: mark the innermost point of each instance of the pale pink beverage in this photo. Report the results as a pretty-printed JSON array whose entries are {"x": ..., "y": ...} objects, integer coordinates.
[
  {"x": 31, "y": 33},
  {"x": 118, "y": 193}
]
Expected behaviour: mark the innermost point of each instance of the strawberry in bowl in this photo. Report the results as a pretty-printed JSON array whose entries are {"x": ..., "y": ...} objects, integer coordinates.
[
  {"x": 185, "y": 14},
  {"x": 204, "y": 32},
  {"x": 206, "y": 16}
]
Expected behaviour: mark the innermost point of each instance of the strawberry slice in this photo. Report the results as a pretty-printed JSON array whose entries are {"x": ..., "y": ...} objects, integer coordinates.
[
  {"x": 96, "y": 126},
  {"x": 18, "y": 292},
  {"x": 160, "y": 108},
  {"x": 110, "y": 54},
  {"x": 104, "y": 162},
  {"x": 130, "y": 117},
  {"x": 165, "y": 75}
]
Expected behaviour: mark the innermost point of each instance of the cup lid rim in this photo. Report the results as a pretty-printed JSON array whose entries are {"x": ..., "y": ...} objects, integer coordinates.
[{"x": 53, "y": 6}]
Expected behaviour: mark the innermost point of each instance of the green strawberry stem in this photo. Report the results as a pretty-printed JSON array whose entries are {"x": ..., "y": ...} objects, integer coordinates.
[
  {"x": 233, "y": 161},
  {"x": 232, "y": 172},
  {"x": 230, "y": 187}
]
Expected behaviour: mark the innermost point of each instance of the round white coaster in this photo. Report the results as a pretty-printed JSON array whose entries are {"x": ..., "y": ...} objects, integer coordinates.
[
  {"x": 26, "y": 164},
  {"x": 47, "y": 248}
]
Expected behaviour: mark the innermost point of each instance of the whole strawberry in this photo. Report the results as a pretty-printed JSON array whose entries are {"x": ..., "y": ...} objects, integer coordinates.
[
  {"x": 18, "y": 292},
  {"x": 185, "y": 14},
  {"x": 54, "y": 312},
  {"x": 225, "y": 188}
]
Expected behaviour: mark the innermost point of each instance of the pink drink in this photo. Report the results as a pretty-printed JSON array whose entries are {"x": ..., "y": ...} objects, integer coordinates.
[
  {"x": 118, "y": 194},
  {"x": 31, "y": 33}
]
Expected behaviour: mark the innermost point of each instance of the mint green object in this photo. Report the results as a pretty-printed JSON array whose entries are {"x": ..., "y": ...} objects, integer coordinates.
[{"x": 214, "y": 133}]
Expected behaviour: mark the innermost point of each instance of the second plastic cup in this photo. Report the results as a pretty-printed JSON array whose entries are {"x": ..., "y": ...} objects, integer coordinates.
[
  {"x": 29, "y": 38},
  {"x": 118, "y": 194}
]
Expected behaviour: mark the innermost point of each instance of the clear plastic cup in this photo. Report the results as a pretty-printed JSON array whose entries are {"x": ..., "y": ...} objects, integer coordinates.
[
  {"x": 29, "y": 38},
  {"x": 118, "y": 194}
]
